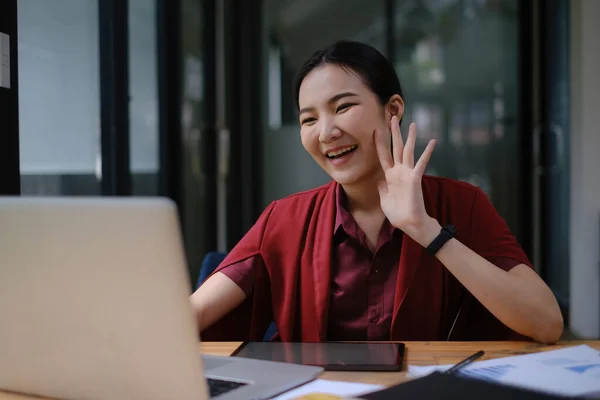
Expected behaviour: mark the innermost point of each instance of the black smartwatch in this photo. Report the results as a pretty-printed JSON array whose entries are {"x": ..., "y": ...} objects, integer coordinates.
[{"x": 447, "y": 233}]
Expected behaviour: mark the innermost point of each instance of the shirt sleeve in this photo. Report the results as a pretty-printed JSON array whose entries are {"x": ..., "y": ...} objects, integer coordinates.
[
  {"x": 243, "y": 274},
  {"x": 504, "y": 263},
  {"x": 491, "y": 237},
  {"x": 245, "y": 266}
]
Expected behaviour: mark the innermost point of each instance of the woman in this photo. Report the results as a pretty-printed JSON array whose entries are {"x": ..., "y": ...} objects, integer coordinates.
[{"x": 383, "y": 252}]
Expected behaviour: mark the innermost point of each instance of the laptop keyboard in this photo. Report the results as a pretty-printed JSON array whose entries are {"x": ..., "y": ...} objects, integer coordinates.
[{"x": 218, "y": 387}]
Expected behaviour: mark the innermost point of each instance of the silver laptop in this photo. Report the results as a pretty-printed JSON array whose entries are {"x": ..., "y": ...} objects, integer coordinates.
[{"x": 94, "y": 304}]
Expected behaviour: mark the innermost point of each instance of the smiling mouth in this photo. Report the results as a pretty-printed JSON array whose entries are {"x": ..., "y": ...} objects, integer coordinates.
[{"x": 340, "y": 153}]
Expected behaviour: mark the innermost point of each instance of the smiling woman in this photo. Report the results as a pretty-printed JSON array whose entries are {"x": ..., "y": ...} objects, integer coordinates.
[{"x": 383, "y": 252}]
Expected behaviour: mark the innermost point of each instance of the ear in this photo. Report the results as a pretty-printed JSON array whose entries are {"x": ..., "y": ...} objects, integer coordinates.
[{"x": 395, "y": 106}]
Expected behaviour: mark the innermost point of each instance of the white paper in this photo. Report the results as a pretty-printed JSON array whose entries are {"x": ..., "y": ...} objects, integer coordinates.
[
  {"x": 4, "y": 60},
  {"x": 330, "y": 387},
  {"x": 572, "y": 371}
]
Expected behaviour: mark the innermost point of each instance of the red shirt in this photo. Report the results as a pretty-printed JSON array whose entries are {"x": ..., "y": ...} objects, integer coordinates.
[
  {"x": 293, "y": 250},
  {"x": 363, "y": 282}
]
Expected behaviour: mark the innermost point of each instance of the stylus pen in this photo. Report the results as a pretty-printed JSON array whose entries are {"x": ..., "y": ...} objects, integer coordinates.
[{"x": 465, "y": 362}]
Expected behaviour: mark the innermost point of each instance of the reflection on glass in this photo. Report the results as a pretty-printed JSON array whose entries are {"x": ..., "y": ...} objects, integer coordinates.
[
  {"x": 143, "y": 106},
  {"x": 457, "y": 61},
  {"x": 59, "y": 97},
  {"x": 194, "y": 180}
]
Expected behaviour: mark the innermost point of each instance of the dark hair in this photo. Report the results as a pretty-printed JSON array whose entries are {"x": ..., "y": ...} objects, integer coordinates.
[{"x": 363, "y": 60}]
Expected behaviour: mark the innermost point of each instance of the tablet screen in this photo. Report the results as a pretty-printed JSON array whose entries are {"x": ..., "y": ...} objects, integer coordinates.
[{"x": 329, "y": 355}]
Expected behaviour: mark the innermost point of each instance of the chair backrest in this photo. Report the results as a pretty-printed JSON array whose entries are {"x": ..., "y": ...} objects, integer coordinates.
[{"x": 210, "y": 262}]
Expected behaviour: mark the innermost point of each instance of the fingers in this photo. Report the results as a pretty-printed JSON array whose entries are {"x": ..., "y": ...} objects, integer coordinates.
[
  {"x": 402, "y": 153},
  {"x": 383, "y": 151},
  {"x": 409, "y": 149},
  {"x": 424, "y": 159},
  {"x": 397, "y": 142}
]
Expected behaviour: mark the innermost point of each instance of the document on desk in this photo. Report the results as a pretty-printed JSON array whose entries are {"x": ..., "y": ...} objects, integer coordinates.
[
  {"x": 337, "y": 388},
  {"x": 572, "y": 371}
]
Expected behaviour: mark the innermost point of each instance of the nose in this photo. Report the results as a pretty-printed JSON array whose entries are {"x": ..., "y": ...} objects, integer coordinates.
[{"x": 329, "y": 131}]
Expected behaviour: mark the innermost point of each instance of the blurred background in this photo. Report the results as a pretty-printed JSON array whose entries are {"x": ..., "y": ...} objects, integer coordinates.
[{"x": 192, "y": 99}]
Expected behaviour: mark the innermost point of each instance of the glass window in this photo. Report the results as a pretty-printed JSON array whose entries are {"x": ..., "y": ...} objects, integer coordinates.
[
  {"x": 458, "y": 64},
  {"x": 143, "y": 106},
  {"x": 59, "y": 97},
  {"x": 296, "y": 29},
  {"x": 194, "y": 179}
]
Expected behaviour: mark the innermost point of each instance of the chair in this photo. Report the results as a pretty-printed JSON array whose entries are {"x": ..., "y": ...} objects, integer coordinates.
[{"x": 210, "y": 262}]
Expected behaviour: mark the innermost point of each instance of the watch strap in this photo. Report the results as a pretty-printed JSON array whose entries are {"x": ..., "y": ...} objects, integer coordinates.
[{"x": 447, "y": 233}]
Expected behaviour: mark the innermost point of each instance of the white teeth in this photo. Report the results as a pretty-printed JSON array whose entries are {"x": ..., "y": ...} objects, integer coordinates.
[{"x": 341, "y": 151}]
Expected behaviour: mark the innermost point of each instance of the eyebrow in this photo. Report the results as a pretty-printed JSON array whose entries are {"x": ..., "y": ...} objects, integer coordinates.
[{"x": 331, "y": 100}]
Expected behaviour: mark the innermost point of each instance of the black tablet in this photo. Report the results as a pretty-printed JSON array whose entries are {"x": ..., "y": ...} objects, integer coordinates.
[{"x": 333, "y": 356}]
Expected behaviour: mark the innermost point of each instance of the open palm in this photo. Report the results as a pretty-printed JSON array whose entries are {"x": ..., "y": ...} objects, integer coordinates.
[{"x": 400, "y": 193}]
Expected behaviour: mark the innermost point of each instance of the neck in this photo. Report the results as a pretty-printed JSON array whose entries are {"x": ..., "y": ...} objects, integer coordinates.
[{"x": 363, "y": 196}]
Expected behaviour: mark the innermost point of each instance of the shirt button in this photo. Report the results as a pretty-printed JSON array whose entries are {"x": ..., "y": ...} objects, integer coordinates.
[{"x": 374, "y": 318}]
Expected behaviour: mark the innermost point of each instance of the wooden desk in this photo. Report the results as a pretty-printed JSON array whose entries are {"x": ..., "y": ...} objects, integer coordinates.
[
  {"x": 425, "y": 353},
  {"x": 417, "y": 353}
]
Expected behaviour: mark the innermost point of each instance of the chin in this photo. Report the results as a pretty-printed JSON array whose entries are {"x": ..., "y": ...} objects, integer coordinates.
[{"x": 348, "y": 177}]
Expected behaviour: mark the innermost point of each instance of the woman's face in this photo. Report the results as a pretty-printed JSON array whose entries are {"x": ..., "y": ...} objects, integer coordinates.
[{"x": 338, "y": 117}]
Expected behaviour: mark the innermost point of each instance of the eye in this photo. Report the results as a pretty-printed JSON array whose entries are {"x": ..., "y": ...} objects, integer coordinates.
[
  {"x": 343, "y": 107},
  {"x": 308, "y": 120}
]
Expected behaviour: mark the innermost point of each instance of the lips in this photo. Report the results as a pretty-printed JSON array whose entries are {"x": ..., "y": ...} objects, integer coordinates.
[{"x": 340, "y": 152}]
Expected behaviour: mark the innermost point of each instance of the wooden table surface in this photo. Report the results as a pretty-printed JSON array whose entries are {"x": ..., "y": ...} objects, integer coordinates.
[
  {"x": 424, "y": 353},
  {"x": 417, "y": 353}
]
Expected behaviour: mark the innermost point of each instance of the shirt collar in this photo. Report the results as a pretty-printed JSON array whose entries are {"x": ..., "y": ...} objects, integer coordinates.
[
  {"x": 343, "y": 216},
  {"x": 341, "y": 213}
]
